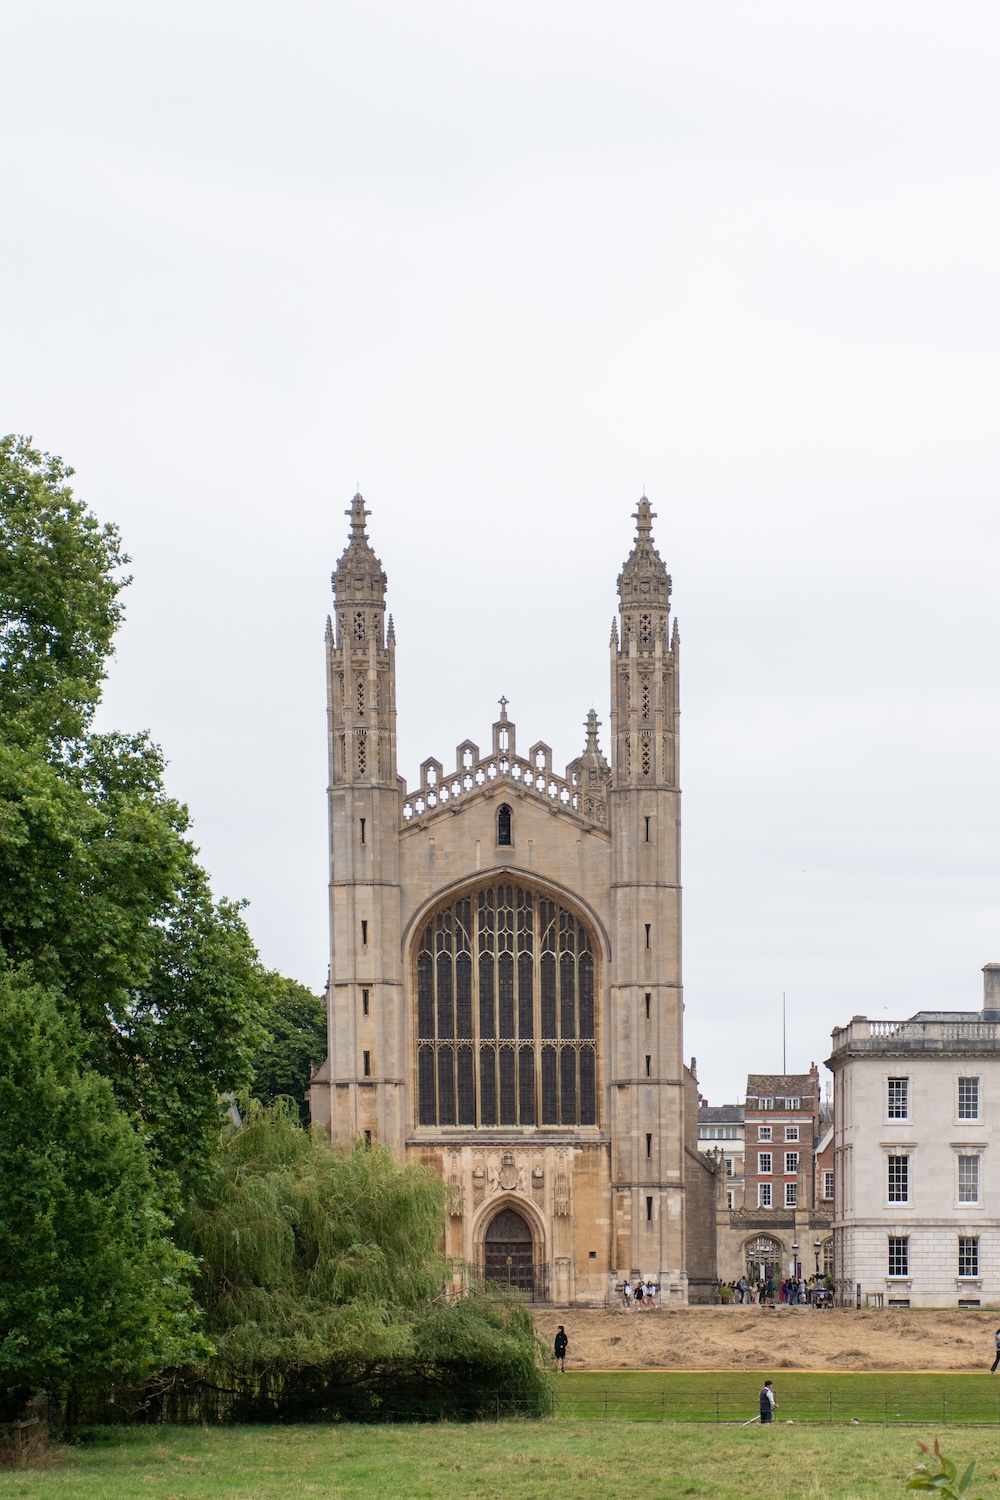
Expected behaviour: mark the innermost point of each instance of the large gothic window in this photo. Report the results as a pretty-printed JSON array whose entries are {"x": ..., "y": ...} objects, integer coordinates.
[{"x": 505, "y": 1013}]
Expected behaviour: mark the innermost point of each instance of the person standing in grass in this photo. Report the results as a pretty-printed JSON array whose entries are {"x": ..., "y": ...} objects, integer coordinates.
[
  {"x": 996, "y": 1345},
  {"x": 561, "y": 1345},
  {"x": 767, "y": 1402}
]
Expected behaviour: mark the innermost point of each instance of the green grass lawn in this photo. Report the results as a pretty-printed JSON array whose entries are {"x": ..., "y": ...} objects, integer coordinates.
[
  {"x": 709, "y": 1397},
  {"x": 566, "y": 1460}
]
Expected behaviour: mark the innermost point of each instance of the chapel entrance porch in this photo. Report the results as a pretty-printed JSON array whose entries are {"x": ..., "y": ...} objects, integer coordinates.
[{"x": 509, "y": 1256}]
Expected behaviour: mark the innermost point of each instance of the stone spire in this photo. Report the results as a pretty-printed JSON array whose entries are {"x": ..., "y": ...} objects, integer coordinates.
[
  {"x": 359, "y": 583},
  {"x": 644, "y": 582}
]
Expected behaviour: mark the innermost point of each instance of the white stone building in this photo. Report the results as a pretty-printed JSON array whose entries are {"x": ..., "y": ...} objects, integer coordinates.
[{"x": 917, "y": 1188}]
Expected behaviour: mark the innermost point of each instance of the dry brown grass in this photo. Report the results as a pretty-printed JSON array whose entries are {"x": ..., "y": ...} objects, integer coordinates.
[{"x": 733, "y": 1338}]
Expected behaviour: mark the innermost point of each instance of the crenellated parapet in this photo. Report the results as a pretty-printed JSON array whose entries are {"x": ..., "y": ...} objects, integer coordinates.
[{"x": 580, "y": 793}]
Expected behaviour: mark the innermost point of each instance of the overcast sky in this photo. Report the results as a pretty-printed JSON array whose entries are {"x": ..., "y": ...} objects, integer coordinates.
[{"x": 504, "y": 267}]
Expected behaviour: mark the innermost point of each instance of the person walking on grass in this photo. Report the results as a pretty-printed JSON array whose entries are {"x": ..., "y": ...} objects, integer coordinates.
[
  {"x": 561, "y": 1345},
  {"x": 996, "y": 1344},
  {"x": 767, "y": 1402}
]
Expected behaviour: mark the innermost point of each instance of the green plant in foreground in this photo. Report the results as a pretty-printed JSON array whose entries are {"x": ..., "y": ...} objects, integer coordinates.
[{"x": 945, "y": 1482}]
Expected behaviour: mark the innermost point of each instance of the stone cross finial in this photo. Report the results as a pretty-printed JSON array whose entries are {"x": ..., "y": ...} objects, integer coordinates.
[{"x": 503, "y": 707}]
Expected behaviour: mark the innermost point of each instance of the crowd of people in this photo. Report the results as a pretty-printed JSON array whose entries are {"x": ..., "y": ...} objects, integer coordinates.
[
  {"x": 643, "y": 1294},
  {"x": 792, "y": 1291}
]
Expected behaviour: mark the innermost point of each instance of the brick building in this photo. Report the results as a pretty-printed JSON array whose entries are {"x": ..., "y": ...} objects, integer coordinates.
[{"x": 783, "y": 1225}]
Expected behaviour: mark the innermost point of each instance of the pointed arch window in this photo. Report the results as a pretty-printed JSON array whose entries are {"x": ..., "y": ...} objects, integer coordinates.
[
  {"x": 503, "y": 825},
  {"x": 505, "y": 1012}
]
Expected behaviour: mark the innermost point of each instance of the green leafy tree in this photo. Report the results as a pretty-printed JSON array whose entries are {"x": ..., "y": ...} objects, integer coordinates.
[
  {"x": 321, "y": 1281},
  {"x": 59, "y": 584},
  {"x": 91, "y": 1288},
  {"x": 100, "y": 888},
  {"x": 295, "y": 1022}
]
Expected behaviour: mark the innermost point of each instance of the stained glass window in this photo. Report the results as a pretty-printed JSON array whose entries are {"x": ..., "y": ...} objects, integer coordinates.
[{"x": 505, "y": 1012}]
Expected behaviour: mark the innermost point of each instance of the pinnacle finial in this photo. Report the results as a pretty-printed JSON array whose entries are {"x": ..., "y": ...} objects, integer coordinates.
[
  {"x": 358, "y": 514},
  {"x": 614, "y": 630},
  {"x": 390, "y": 631},
  {"x": 592, "y": 724},
  {"x": 503, "y": 709},
  {"x": 643, "y": 517}
]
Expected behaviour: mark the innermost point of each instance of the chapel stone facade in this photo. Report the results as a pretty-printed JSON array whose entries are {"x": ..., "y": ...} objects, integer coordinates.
[{"x": 504, "y": 1001}]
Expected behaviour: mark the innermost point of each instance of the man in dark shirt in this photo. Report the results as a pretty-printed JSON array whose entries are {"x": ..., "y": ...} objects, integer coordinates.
[
  {"x": 767, "y": 1402},
  {"x": 561, "y": 1345}
]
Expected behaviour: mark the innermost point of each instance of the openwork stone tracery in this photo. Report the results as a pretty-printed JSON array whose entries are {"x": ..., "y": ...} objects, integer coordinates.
[
  {"x": 581, "y": 792},
  {"x": 506, "y": 1013}
]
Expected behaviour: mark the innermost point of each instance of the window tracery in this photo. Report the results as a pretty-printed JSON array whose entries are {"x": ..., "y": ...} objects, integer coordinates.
[
  {"x": 645, "y": 630},
  {"x": 359, "y": 624},
  {"x": 361, "y": 697},
  {"x": 472, "y": 775},
  {"x": 362, "y": 751},
  {"x": 506, "y": 1013},
  {"x": 646, "y": 692}
]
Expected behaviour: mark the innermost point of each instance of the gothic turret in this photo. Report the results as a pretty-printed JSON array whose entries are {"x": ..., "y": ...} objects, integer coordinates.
[
  {"x": 643, "y": 667},
  {"x": 359, "y": 585},
  {"x": 647, "y": 1102},
  {"x": 365, "y": 1063}
]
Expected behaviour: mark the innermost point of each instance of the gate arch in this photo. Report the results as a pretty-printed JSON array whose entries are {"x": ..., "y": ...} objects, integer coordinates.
[
  {"x": 509, "y": 1255},
  {"x": 763, "y": 1257}
]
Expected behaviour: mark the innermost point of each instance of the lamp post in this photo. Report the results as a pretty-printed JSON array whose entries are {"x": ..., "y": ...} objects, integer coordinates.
[
  {"x": 816, "y": 1249},
  {"x": 796, "y": 1265}
]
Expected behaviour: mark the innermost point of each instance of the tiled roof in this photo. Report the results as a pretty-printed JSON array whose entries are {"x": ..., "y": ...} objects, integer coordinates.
[
  {"x": 784, "y": 1085},
  {"x": 720, "y": 1114}
]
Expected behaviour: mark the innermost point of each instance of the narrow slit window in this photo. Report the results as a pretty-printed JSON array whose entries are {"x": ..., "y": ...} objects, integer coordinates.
[
  {"x": 648, "y": 999},
  {"x": 364, "y": 933},
  {"x": 362, "y": 830},
  {"x": 368, "y": 1137},
  {"x": 649, "y": 1064},
  {"x": 649, "y": 1210},
  {"x": 366, "y": 1064},
  {"x": 364, "y": 1002},
  {"x": 647, "y": 830},
  {"x": 649, "y": 1146},
  {"x": 648, "y": 926}
]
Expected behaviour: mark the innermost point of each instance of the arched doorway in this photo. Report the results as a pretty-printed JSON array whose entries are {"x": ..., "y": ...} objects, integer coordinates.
[
  {"x": 508, "y": 1251},
  {"x": 763, "y": 1258}
]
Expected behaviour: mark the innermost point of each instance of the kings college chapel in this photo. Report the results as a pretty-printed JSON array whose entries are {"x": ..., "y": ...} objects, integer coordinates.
[{"x": 505, "y": 999}]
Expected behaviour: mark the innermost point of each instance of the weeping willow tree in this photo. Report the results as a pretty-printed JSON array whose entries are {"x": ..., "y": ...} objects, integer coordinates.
[{"x": 322, "y": 1286}]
